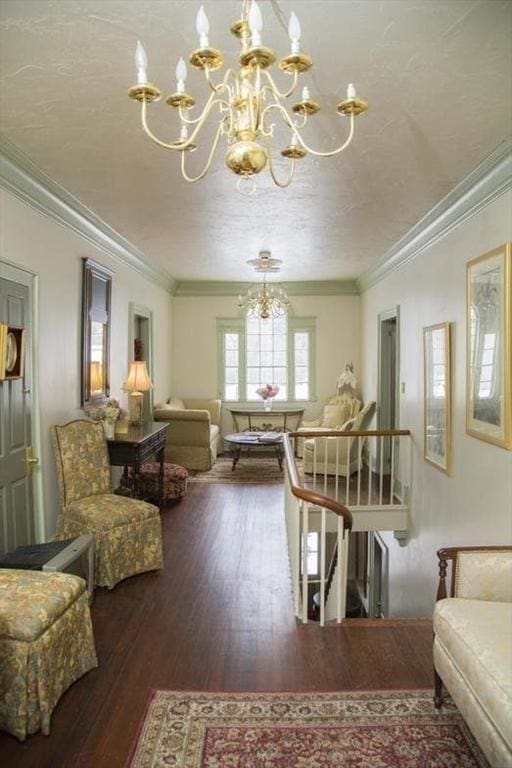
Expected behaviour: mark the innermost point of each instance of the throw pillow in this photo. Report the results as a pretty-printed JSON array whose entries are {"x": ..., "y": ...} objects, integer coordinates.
[{"x": 335, "y": 415}]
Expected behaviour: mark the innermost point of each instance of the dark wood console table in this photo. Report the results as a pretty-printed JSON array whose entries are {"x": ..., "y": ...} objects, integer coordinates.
[
  {"x": 258, "y": 420},
  {"x": 135, "y": 447}
]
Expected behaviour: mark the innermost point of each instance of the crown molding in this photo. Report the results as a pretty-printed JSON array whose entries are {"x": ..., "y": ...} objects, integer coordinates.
[
  {"x": 484, "y": 184},
  {"x": 198, "y": 288},
  {"x": 27, "y": 181}
]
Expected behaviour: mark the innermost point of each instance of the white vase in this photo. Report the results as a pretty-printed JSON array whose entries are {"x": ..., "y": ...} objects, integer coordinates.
[
  {"x": 267, "y": 404},
  {"x": 109, "y": 425}
]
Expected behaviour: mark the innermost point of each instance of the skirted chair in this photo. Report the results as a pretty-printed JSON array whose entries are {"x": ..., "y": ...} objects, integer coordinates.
[
  {"x": 46, "y": 643},
  {"x": 337, "y": 463},
  {"x": 337, "y": 411},
  {"x": 194, "y": 431},
  {"x": 127, "y": 532}
]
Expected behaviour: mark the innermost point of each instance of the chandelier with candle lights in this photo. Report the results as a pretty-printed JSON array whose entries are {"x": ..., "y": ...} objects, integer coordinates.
[
  {"x": 245, "y": 101},
  {"x": 265, "y": 301}
]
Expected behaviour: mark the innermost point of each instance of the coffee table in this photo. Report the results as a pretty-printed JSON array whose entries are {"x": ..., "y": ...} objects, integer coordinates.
[{"x": 240, "y": 440}]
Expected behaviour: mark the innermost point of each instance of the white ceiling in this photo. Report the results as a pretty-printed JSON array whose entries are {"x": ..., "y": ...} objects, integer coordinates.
[{"x": 435, "y": 72}]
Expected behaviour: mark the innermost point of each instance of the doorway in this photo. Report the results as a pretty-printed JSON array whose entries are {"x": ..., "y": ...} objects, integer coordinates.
[
  {"x": 21, "y": 509},
  {"x": 140, "y": 347},
  {"x": 388, "y": 385},
  {"x": 378, "y": 577}
]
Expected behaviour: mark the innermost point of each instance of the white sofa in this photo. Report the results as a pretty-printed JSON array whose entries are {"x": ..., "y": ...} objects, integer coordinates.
[
  {"x": 193, "y": 434},
  {"x": 473, "y": 644}
]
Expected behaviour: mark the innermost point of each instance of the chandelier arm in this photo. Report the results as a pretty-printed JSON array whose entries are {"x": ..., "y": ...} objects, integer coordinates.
[
  {"x": 193, "y": 179},
  {"x": 178, "y": 145},
  {"x": 288, "y": 120},
  {"x": 223, "y": 84},
  {"x": 276, "y": 181},
  {"x": 276, "y": 90},
  {"x": 194, "y": 120}
]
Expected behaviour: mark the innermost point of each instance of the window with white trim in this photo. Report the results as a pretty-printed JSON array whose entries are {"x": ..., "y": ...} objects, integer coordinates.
[{"x": 254, "y": 352}]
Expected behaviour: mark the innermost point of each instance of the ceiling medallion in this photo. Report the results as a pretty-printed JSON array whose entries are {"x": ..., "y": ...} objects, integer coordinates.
[
  {"x": 265, "y": 301},
  {"x": 244, "y": 101}
]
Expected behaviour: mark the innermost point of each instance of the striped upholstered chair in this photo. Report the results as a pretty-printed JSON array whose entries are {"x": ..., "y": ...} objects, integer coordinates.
[{"x": 127, "y": 532}]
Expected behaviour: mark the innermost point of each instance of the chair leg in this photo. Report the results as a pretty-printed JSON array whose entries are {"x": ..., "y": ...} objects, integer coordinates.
[{"x": 438, "y": 690}]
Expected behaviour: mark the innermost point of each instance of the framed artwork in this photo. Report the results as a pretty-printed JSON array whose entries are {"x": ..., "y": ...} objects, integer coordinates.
[
  {"x": 12, "y": 352},
  {"x": 96, "y": 300},
  {"x": 489, "y": 347},
  {"x": 437, "y": 395}
]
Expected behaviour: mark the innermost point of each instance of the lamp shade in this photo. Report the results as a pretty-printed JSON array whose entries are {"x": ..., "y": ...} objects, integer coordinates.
[{"x": 138, "y": 378}]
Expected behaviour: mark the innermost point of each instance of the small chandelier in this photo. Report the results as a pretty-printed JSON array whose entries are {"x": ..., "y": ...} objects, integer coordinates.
[
  {"x": 265, "y": 301},
  {"x": 245, "y": 100}
]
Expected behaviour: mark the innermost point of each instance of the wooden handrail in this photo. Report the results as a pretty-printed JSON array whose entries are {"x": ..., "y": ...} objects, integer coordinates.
[
  {"x": 351, "y": 433},
  {"x": 312, "y": 497}
]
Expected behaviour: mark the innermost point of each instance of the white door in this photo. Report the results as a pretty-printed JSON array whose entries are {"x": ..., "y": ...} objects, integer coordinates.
[{"x": 17, "y": 522}]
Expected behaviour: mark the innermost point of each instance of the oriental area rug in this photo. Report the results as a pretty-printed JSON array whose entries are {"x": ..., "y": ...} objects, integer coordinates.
[
  {"x": 250, "y": 469},
  {"x": 289, "y": 730}
]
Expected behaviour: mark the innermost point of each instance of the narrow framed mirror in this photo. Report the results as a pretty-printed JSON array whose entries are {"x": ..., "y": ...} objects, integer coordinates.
[
  {"x": 96, "y": 301},
  {"x": 437, "y": 395}
]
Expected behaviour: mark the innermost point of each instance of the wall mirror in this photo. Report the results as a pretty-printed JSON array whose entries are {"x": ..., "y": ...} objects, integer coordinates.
[
  {"x": 96, "y": 297},
  {"x": 437, "y": 439}
]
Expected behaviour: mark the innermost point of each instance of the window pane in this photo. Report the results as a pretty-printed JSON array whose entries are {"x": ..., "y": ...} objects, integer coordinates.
[
  {"x": 231, "y": 376},
  {"x": 231, "y": 340},
  {"x": 266, "y": 327},
  {"x": 279, "y": 357},
  {"x": 253, "y": 376},
  {"x": 253, "y": 358},
  {"x": 253, "y": 343},
  {"x": 266, "y": 343},
  {"x": 301, "y": 340},
  {"x": 231, "y": 357},
  {"x": 231, "y": 392},
  {"x": 301, "y": 357},
  {"x": 301, "y": 391},
  {"x": 301, "y": 375},
  {"x": 266, "y": 358}
]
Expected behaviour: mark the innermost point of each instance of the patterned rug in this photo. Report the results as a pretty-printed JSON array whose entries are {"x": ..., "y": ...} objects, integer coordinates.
[
  {"x": 287, "y": 730},
  {"x": 250, "y": 469}
]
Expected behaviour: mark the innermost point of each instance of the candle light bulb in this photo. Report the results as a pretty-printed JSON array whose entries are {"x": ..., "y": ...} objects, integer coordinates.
[
  {"x": 255, "y": 23},
  {"x": 181, "y": 75},
  {"x": 203, "y": 27},
  {"x": 305, "y": 94},
  {"x": 351, "y": 91},
  {"x": 184, "y": 133},
  {"x": 294, "y": 31},
  {"x": 141, "y": 62}
]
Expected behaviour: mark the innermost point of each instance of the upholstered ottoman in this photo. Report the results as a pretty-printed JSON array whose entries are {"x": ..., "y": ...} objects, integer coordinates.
[
  {"x": 46, "y": 643},
  {"x": 175, "y": 481}
]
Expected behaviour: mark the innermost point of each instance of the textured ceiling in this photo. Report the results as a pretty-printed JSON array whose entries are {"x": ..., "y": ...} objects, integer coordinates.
[{"x": 435, "y": 72}]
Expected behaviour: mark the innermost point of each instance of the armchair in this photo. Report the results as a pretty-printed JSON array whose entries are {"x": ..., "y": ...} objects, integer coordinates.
[
  {"x": 336, "y": 412},
  {"x": 473, "y": 644},
  {"x": 337, "y": 459},
  {"x": 194, "y": 430},
  {"x": 127, "y": 532}
]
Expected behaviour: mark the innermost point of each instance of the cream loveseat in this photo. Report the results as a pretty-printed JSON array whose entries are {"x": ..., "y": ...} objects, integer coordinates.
[
  {"x": 473, "y": 644},
  {"x": 336, "y": 412},
  {"x": 193, "y": 433}
]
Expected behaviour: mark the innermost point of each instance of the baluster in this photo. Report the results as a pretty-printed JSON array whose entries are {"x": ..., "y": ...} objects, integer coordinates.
[
  {"x": 392, "y": 469},
  {"x": 359, "y": 462},
  {"x": 381, "y": 468},
  {"x": 326, "y": 446},
  {"x": 336, "y": 477},
  {"x": 322, "y": 567},
  {"x": 305, "y": 531},
  {"x": 370, "y": 470},
  {"x": 315, "y": 441},
  {"x": 347, "y": 495},
  {"x": 339, "y": 571}
]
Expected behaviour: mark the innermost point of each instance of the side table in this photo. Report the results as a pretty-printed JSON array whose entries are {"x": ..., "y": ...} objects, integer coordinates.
[{"x": 133, "y": 448}]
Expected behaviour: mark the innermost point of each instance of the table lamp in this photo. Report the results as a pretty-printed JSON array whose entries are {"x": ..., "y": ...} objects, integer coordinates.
[{"x": 138, "y": 381}]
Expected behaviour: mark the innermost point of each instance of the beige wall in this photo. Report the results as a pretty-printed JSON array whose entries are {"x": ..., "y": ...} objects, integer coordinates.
[
  {"x": 195, "y": 342},
  {"x": 37, "y": 244},
  {"x": 474, "y": 505}
]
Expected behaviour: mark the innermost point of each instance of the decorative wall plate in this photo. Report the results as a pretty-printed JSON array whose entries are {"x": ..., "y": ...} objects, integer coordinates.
[{"x": 11, "y": 353}]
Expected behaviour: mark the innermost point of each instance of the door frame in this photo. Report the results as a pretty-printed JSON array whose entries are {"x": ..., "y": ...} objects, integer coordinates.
[
  {"x": 389, "y": 314},
  {"x": 138, "y": 311},
  {"x": 17, "y": 274}
]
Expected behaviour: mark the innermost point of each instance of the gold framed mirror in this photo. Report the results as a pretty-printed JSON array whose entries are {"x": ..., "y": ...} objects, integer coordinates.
[
  {"x": 96, "y": 309},
  {"x": 437, "y": 396}
]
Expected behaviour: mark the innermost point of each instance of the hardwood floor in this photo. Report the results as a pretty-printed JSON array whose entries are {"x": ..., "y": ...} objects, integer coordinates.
[{"x": 218, "y": 618}]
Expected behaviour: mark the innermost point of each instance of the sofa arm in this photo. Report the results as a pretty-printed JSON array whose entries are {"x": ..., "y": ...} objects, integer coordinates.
[
  {"x": 212, "y": 406},
  {"x": 186, "y": 427},
  {"x": 478, "y": 573},
  {"x": 175, "y": 414}
]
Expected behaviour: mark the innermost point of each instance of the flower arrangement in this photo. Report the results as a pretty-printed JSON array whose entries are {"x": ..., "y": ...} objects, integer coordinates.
[
  {"x": 269, "y": 390},
  {"x": 110, "y": 411}
]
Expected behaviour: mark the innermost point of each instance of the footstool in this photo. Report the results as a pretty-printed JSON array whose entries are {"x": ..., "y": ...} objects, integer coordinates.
[
  {"x": 175, "y": 481},
  {"x": 46, "y": 643}
]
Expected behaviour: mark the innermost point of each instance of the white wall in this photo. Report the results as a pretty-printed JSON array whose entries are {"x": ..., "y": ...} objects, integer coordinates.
[
  {"x": 474, "y": 504},
  {"x": 195, "y": 343},
  {"x": 34, "y": 242}
]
